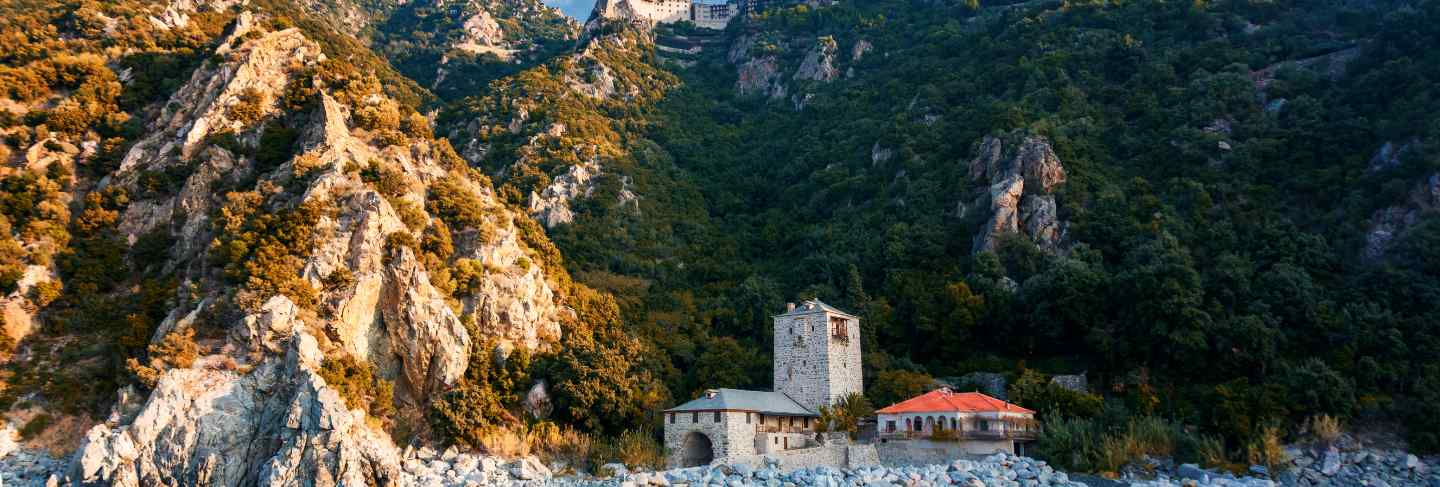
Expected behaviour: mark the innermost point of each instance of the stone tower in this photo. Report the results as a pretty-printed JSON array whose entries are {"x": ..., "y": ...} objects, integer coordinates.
[{"x": 817, "y": 354}]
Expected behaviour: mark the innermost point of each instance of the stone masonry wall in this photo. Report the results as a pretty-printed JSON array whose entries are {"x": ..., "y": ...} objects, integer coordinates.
[
  {"x": 812, "y": 368},
  {"x": 836, "y": 452},
  {"x": 729, "y": 438},
  {"x": 926, "y": 452},
  {"x": 844, "y": 363},
  {"x": 801, "y": 353}
]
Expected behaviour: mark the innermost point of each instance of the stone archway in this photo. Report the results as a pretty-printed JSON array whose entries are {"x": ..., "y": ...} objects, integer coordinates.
[{"x": 696, "y": 450}]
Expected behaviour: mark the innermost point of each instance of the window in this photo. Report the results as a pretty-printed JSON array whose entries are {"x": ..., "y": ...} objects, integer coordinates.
[
  {"x": 694, "y": 417},
  {"x": 717, "y": 416},
  {"x": 672, "y": 418},
  {"x": 777, "y": 440},
  {"x": 806, "y": 423},
  {"x": 747, "y": 418},
  {"x": 984, "y": 425},
  {"x": 954, "y": 424},
  {"x": 840, "y": 328},
  {"x": 890, "y": 426}
]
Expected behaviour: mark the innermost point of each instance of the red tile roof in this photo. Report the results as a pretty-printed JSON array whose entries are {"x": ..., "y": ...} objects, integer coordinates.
[{"x": 943, "y": 400}]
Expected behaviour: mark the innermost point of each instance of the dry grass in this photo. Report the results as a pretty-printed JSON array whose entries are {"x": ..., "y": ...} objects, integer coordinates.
[
  {"x": 1325, "y": 429},
  {"x": 1211, "y": 450},
  {"x": 1267, "y": 450},
  {"x": 552, "y": 443}
]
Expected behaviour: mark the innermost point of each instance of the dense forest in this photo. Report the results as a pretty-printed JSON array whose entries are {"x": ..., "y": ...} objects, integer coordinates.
[{"x": 1218, "y": 268}]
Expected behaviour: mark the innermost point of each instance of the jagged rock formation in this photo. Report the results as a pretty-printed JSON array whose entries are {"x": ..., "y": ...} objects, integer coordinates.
[
  {"x": 481, "y": 34},
  {"x": 552, "y": 205},
  {"x": 252, "y": 410},
  {"x": 176, "y": 14},
  {"x": 608, "y": 71},
  {"x": 1388, "y": 223},
  {"x": 819, "y": 63},
  {"x": 1019, "y": 187},
  {"x": 760, "y": 76},
  {"x": 278, "y": 424}
]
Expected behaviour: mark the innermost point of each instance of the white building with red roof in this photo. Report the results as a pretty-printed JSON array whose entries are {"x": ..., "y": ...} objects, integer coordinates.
[{"x": 974, "y": 422}]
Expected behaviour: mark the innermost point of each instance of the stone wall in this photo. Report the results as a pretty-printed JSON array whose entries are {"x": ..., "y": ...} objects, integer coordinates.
[
  {"x": 926, "y": 452},
  {"x": 800, "y": 359},
  {"x": 770, "y": 443},
  {"x": 731, "y": 437},
  {"x": 810, "y": 366},
  {"x": 844, "y": 363},
  {"x": 1074, "y": 382},
  {"x": 837, "y": 451}
]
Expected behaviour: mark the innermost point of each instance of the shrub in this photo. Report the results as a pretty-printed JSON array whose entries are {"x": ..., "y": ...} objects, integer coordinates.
[
  {"x": 277, "y": 145},
  {"x": 390, "y": 182},
  {"x": 1325, "y": 429},
  {"x": 265, "y": 250},
  {"x": 340, "y": 278},
  {"x": 1035, "y": 391},
  {"x": 845, "y": 414},
  {"x": 1211, "y": 450},
  {"x": 177, "y": 350},
  {"x": 456, "y": 205},
  {"x": 1070, "y": 443},
  {"x": 357, "y": 383},
  {"x": 381, "y": 116},
  {"x": 1266, "y": 449},
  {"x": 248, "y": 107}
]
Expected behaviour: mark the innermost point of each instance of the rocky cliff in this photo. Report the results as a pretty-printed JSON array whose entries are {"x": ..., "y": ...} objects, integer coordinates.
[
  {"x": 1017, "y": 186},
  {"x": 294, "y": 226}
]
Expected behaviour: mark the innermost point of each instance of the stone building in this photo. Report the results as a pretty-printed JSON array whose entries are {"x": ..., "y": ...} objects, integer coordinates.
[
  {"x": 817, "y": 354},
  {"x": 817, "y": 360},
  {"x": 702, "y": 13}
]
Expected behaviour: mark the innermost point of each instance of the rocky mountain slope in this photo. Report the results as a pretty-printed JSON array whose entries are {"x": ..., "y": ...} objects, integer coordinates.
[{"x": 274, "y": 242}]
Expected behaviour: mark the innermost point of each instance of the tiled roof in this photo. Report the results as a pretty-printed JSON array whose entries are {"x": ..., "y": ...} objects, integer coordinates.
[
  {"x": 814, "y": 306},
  {"x": 766, "y": 402},
  {"x": 945, "y": 401}
]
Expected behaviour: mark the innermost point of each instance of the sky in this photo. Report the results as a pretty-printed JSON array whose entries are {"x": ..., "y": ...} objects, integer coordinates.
[{"x": 579, "y": 9}]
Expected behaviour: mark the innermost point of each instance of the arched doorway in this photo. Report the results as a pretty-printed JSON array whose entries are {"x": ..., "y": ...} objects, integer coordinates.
[{"x": 696, "y": 451}]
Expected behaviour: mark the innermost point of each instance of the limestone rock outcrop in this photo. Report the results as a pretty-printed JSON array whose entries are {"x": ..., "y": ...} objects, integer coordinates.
[
  {"x": 760, "y": 76},
  {"x": 819, "y": 62},
  {"x": 253, "y": 410},
  {"x": 552, "y": 205},
  {"x": 1019, "y": 185}
]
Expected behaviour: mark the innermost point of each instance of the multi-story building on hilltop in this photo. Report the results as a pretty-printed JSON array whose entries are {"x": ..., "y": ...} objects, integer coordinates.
[{"x": 702, "y": 13}]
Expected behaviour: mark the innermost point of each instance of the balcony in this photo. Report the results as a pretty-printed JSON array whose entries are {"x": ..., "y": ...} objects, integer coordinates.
[
  {"x": 770, "y": 428},
  {"x": 1019, "y": 429}
]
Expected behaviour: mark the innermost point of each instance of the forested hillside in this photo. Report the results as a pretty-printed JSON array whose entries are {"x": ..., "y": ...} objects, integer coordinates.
[{"x": 1246, "y": 226}]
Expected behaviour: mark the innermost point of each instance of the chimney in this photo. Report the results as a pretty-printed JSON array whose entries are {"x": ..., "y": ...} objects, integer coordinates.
[{"x": 789, "y": 307}]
